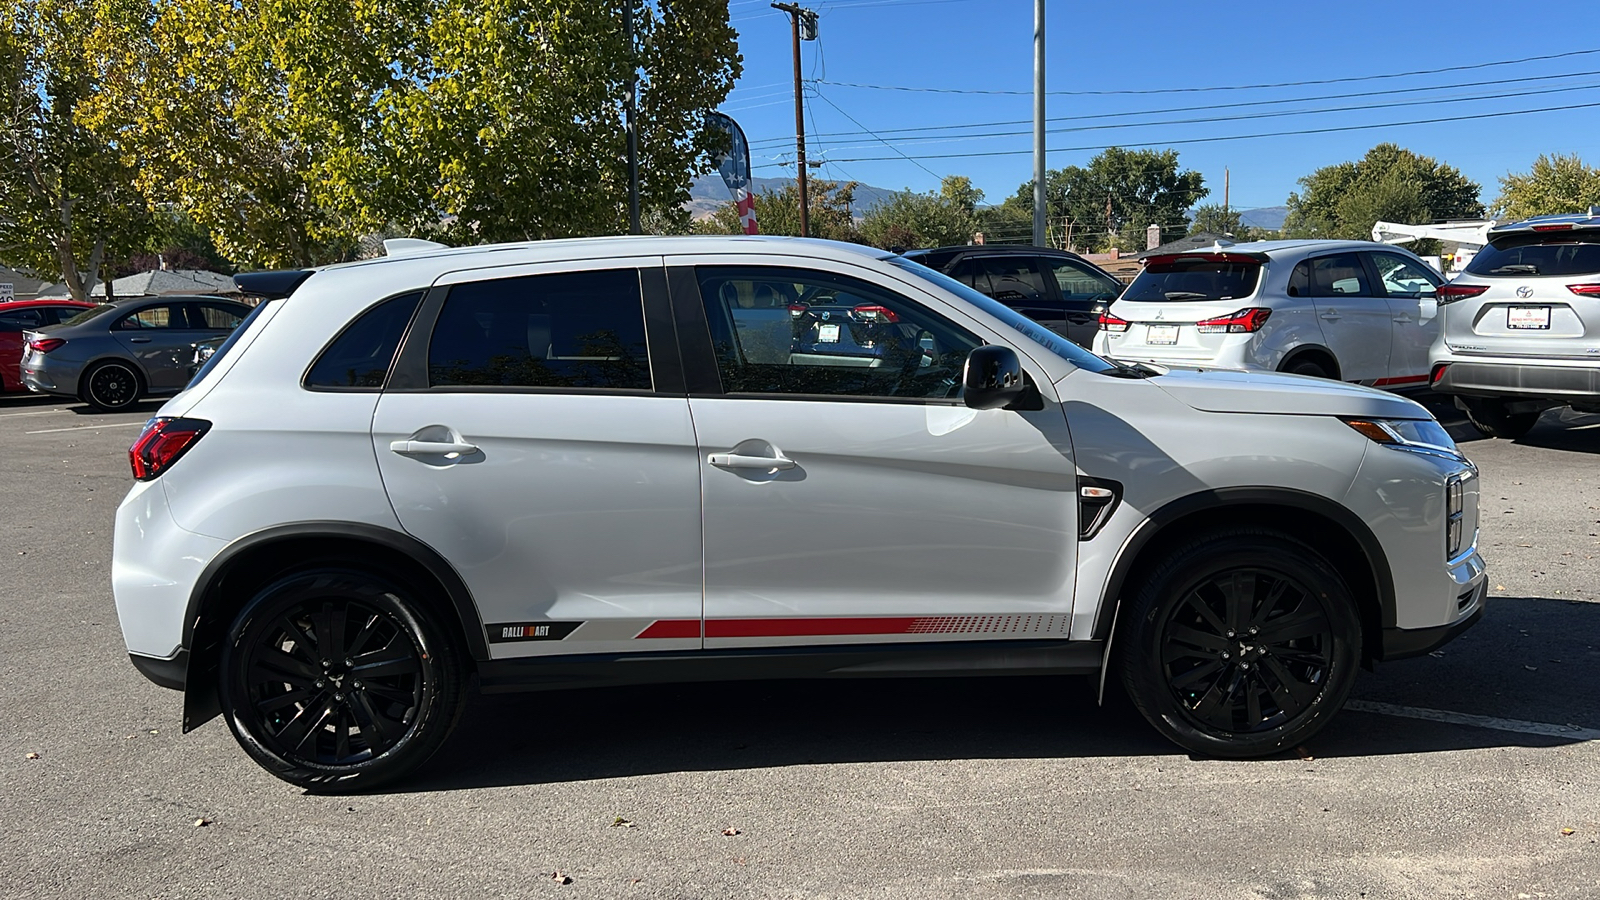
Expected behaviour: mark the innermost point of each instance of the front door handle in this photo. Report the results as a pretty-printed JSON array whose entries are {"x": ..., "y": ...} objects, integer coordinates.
[
  {"x": 1332, "y": 315},
  {"x": 136, "y": 340},
  {"x": 740, "y": 461},
  {"x": 1403, "y": 319},
  {"x": 433, "y": 448}
]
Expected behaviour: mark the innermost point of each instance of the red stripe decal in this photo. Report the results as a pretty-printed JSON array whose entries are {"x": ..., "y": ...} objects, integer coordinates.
[
  {"x": 672, "y": 628},
  {"x": 1406, "y": 379},
  {"x": 728, "y": 628}
]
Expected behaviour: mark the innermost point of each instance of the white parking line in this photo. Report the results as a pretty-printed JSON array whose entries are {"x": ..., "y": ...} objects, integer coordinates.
[
  {"x": 85, "y": 428},
  {"x": 1570, "y": 732},
  {"x": 41, "y": 412}
]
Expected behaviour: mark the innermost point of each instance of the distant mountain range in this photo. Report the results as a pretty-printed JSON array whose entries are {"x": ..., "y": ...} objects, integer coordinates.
[{"x": 708, "y": 192}]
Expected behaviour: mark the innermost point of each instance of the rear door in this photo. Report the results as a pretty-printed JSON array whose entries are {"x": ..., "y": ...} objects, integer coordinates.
[
  {"x": 1411, "y": 291},
  {"x": 1018, "y": 282},
  {"x": 1355, "y": 318},
  {"x": 1084, "y": 293},
  {"x": 536, "y": 434},
  {"x": 858, "y": 500},
  {"x": 158, "y": 337}
]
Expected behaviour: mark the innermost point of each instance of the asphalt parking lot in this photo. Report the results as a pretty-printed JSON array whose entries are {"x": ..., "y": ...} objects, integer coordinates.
[{"x": 1453, "y": 775}]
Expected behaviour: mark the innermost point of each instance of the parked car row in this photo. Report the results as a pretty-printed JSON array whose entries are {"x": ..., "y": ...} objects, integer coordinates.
[{"x": 691, "y": 458}]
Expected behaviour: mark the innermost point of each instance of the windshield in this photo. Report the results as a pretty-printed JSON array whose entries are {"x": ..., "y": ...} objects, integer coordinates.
[
  {"x": 1194, "y": 278},
  {"x": 1039, "y": 334},
  {"x": 1538, "y": 254},
  {"x": 93, "y": 312}
]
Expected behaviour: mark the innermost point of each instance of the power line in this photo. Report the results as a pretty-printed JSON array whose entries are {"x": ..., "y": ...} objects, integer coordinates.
[
  {"x": 1237, "y": 137},
  {"x": 880, "y": 140},
  {"x": 1235, "y": 87},
  {"x": 1247, "y": 104}
]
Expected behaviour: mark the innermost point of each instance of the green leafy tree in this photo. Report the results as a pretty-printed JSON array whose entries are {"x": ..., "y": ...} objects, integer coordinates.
[
  {"x": 908, "y": 219},
  {"x": 1556, "y": 184},
  {"x": 289, "y": 129},
  {"x": 1388, "y": 184},
  {"x": 778, "y": 212},
  {"x": 1117, "y": 196},
  {"x": 1215, "y": 219},
  {"x": 67, "y": 200}
]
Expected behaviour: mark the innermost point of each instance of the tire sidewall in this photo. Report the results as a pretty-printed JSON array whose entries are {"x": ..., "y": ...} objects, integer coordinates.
[
  {"x": 1142, "y": 670},
  {"x": 441, "y": 679}
]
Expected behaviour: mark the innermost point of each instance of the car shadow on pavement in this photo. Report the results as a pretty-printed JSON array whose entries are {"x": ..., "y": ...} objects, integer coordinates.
[
  {"x": 1529, "y": 660},
  {"x": 1567, "y": 430}
]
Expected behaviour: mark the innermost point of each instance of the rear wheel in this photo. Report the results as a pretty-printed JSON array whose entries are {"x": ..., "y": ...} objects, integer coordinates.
[
  {"x": 1308, "y": 367},
  {"x": 111, "y": 386},
  {"x": 339, "y": 680},
  {"x": 1240, "y": 644},
  {"x": 1495, "y": 418}
]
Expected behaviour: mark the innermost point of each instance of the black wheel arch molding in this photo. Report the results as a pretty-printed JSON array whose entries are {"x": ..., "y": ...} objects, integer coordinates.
[
  {"x": 1159, "y": 524},
  {"x": 203, "y": 633}
]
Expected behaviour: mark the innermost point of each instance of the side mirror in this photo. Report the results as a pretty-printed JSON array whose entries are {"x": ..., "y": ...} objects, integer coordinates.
[{"x": 993, "y": 377}]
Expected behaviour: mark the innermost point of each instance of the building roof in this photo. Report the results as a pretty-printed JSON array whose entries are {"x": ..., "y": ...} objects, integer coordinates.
[
  {"x": 153, "y": 282},
  {"x": 23, "y": 287}
]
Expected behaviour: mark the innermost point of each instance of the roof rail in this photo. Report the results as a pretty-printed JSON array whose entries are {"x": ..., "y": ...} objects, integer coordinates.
[{"x": 405, "y": 246}]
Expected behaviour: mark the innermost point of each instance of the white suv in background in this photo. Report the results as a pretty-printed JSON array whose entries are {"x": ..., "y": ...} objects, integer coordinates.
[
  {"x": 605, "y": 461},
  {"x": 1521, "y": 327},
  {"x": 1352, "y": 311}
]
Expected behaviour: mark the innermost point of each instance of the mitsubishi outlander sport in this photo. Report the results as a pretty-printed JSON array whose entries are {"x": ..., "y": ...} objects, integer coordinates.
[{"x": 591, "y": 462}]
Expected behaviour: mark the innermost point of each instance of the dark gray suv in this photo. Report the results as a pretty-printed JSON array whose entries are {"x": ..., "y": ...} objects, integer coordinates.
[{"x": 1060, "y": 290}]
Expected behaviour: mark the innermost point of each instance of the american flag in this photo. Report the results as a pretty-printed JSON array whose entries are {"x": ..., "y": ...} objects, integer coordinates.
[{"x": 734, "y": 166}]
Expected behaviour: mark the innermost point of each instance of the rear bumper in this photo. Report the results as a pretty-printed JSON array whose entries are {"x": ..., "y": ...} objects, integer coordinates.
[
  {"x": 169, "y": 673},
  {"x": 1520, "y": 378}
]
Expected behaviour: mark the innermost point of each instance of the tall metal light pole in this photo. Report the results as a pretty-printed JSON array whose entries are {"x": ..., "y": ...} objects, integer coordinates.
[
  {"x": 1038, "y": 124},
  {"x": 800, "y": 19},
  {"x": 632, "y": 126}
]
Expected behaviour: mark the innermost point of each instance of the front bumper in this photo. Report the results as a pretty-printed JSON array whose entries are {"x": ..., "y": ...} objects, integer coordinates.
[
  {"x": 1403, "y": 643},
  {"x": 1519, "y": 378}
]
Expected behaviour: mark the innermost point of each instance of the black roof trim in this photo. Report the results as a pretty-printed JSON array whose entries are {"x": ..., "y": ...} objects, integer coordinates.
[{"x": 274, "y": 285}]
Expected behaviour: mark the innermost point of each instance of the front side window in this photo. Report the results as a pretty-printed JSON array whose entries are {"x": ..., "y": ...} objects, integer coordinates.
[
  {"x": 1013, "y": 280},
  {"x": 799, "y": 331},
  {"x": 568, "y": 330},
  {"x": 1339, "y": 276},
  {"x": 360, "y": 357},
  {"x": 1402, "y": 277}
]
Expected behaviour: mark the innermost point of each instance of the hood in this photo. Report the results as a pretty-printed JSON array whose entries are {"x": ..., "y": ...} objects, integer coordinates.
[{"x": 1234, "y": 391}]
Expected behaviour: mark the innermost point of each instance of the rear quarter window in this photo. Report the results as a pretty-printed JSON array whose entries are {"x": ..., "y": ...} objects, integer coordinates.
[{"x": 360, "y": 357}]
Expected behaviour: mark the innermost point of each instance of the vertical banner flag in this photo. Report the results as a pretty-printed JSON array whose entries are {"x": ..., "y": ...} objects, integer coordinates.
[{"x": 734, "y": 165}]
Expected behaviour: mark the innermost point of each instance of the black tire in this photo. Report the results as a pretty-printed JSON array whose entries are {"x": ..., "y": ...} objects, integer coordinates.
[
  {"x": 1192, "y": 666},
  {"x": 344, "y": 721},
  {"x": 1495, "y": 419},
  {"x": 112, "y": 386},
  {"x": 1307, "y": 367}
]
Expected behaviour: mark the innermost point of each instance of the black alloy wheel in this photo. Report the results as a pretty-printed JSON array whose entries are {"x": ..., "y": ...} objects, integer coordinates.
[
  {"x": 1244, "y": 644},
  {"x": 111, "y": 386},
  {"x": 337, "y": 681}
]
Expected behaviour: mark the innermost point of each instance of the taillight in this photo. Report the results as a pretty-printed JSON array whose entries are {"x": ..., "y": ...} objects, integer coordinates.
[
  {"x": 1245, "y": 321},
  {"x": 1587, "y": 290},
  {"x": 163, "y": 440},
  {"x": 1450, "y": 293},
  {"x": 45, "y": 345},
  {"x": 795, "y": 309},
  {"x": 1108, "y": 322},
  {"x": 875, "y": 312}
]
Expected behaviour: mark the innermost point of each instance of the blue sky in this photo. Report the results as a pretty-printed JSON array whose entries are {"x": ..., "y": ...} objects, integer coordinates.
[{"x": 1158, "y": 46}]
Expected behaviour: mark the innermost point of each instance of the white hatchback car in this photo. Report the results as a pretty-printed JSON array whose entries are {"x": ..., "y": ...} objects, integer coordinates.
[
  {"x": 588, "y": 462},
  {"x": 1353, "y": 311}
]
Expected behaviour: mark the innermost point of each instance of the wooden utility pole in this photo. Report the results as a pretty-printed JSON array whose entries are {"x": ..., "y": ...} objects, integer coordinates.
[{"x": 799, "y": 16}]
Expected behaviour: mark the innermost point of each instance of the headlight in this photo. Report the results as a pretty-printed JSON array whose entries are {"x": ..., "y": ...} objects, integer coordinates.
[{"x": 1423, "y": 435}]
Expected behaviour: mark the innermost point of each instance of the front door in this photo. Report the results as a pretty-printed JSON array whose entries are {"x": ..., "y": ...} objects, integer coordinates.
[
  {"x": 1353, "y": 314},
  {"x": 1411, "y": 290},
  {"x": 530, "y": 436},
  {"x": 850, "y": 497}
]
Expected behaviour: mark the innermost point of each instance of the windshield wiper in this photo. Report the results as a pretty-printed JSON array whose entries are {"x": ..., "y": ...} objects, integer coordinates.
[
  {"x": 1184, "y": 295},
  {"x": 1516, "y": 269},
  {"x": 1130, "y": 370}
]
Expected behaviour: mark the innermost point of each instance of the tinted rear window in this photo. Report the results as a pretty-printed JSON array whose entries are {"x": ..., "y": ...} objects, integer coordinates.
[
  {"x": 1538, "y": 254},
  {"x": 1194, "y": 279},
  {"x": 360, "y": 357}
]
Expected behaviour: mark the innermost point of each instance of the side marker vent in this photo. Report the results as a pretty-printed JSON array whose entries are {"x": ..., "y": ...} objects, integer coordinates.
[{"x": 1097, "y": 500}]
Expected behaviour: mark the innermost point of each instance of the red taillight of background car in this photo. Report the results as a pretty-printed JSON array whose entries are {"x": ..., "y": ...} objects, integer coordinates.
[
  {"x": 876, "y": 313},
  {"x": 45, "y": 345},
  {"x": 1108, "y": 322},
  {"x": 1438, "y": 373},
  {"x": 1245, "y": 321},
  {"x": 1587, "y": 290},
  {"x": 162, "y": 441},
  {"x": 1449, "y": 293}
]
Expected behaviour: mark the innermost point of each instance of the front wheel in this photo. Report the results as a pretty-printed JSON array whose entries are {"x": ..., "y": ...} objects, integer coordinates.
[
  {"x": 1495, "y": 419},
  {"x": 1240, "y": 644},
  {"x": 339, "y": 680}
]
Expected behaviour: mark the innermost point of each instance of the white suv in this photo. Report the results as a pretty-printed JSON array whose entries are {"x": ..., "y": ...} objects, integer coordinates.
[
  {"x": 1353, "y": 311},
  {"x": 589, "y": 462}
]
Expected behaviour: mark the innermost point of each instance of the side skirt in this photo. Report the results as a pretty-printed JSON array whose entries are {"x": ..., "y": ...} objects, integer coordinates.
[{"x": 954, "y": 659}]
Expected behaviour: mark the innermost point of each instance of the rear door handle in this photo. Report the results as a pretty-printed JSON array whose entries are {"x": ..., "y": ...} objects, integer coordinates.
[
  {"x": 1403, "y": 319},
  {"x": 1332, "y": 315},
  {"x": 432, "y": 448},
  {"x": 740, "y": 461}
]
